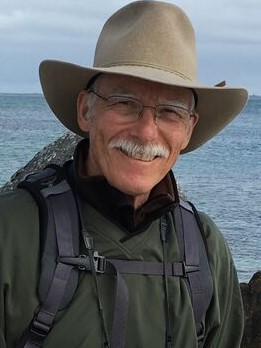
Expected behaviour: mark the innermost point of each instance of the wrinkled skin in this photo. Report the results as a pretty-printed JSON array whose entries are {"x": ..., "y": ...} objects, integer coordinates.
[{"x": 130, "y": 175}]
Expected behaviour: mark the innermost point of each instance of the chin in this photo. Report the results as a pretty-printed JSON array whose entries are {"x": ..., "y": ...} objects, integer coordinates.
[{"x": 134, "y": 187}]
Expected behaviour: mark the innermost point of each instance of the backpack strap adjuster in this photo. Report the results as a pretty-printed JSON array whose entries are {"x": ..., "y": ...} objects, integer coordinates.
[
  {"x": 82, "y": 262},
  {"x": 38, "y": 332},
  {"x": 188, "y": 269},
  {"x": 40, "y": 329},
  {"x": 99, "y": 262}
]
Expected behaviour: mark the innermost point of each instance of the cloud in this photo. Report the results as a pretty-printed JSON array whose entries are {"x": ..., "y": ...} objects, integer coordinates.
[
  {"x": 228, "y": 35},
  {"x": 36, "y": 23},
  {"x": 226, "y": 20},
  {"x": 223, "y": 20}
]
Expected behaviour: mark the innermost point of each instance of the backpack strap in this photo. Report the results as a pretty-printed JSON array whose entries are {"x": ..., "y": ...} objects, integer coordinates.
[
  {"x": 61, "y": 261},
  {"x": 193, "y": 267},
  {"x": 193, "y": 250},
  {"x": 58, "y": 281}
]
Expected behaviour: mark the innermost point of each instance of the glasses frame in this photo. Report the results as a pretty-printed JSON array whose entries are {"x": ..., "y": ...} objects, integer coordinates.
[{"x": 142, "y": 106}]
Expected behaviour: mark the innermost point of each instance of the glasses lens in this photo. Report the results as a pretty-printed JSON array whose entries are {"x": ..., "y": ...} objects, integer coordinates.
[
  {"x": 124, "y": 105},
  {"x": 172, "y": 113}
]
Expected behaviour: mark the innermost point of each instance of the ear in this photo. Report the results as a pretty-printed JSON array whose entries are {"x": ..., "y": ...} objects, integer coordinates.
[
  {"x": 82, "y": 109},
  {"x": 193, "y": 121}
]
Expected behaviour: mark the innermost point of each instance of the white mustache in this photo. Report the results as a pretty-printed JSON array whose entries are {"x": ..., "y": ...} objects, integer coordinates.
[{"x": 144, "y": 152}]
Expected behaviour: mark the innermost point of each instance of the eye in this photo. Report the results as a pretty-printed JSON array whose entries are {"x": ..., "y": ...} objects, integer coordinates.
[
  {"x": 118, "y": 100},
  {"x": 123, "y": 104},
  {"x": 173, "y": 113}
]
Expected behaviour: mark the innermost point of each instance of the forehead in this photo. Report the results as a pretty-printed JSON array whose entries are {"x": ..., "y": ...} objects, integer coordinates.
[{"x": 140, "y": 87}]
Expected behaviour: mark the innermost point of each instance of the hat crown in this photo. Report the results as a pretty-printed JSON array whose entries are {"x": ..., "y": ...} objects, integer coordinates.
[
  {"x": 151, "y": 40},
  {"x": 149, "y": 34}
]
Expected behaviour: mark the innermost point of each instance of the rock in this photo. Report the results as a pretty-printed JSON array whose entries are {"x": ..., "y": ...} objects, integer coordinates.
[
  {"x": 57, "y": 152},
  {"x": 251, "y": 294},
  {"x": 63, "y": 148}
]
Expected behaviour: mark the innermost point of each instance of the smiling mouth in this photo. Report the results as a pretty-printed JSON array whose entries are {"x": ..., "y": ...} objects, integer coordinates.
[
  {"x": 145, "y": 152},
  {"x": 139, "y": 156}
]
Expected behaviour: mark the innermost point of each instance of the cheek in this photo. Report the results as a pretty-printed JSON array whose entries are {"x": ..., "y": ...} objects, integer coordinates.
[
  {"x": 177, "y": 141},
  {"x": 97, "y": 140},
  {"x": 186, "y": 136}
]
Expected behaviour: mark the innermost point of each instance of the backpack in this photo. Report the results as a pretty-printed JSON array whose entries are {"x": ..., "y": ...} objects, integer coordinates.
[{"x": 61, "y": 263}]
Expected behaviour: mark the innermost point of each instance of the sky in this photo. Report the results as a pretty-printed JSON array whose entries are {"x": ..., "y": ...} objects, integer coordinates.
[{"x": 228, "y": 36}]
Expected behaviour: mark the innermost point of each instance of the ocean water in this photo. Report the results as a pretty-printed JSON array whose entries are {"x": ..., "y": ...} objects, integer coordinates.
[
  {"x": 222, "y": 178},
  {"x": 26, "y": 125}
]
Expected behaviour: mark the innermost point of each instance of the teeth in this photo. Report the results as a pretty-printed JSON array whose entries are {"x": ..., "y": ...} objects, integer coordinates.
[{"x": 140, "y": 156}]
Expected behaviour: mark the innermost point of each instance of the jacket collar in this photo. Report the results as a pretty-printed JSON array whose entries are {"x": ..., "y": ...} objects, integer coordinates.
[{"x": 114, "y": 204}]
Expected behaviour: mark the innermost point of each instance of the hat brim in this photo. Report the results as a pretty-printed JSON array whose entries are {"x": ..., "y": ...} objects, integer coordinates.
[{"x": 217, "y": 106}]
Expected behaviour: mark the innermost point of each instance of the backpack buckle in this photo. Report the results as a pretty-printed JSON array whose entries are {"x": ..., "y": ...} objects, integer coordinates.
[
  {"x": 38, "y": 330},
  {"x": 99, "y": 262},
  {"x": 82, "y": 262},
  {"x": 189, "y": 269}
]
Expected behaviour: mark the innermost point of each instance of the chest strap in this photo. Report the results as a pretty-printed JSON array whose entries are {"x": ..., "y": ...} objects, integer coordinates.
[{"x": 107, "y": 266}]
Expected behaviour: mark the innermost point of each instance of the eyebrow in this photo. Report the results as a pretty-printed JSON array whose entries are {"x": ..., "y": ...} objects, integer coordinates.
[
  {"x": 161, "y": 101},
  {"x": 120, "y": 90}
]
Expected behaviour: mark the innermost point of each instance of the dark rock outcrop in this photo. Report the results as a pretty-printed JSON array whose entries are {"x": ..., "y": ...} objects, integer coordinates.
[
  {"x": 62, "y": 150},
  {"x": 57, "y": 152},
  {"x": 251, "y": 294}
]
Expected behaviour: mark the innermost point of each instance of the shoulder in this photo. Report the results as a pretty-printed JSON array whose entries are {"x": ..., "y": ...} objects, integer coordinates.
[
  {"x": 218, "y": 250},
  {"x": 17, "y": 205},
  {"x": 15, "y": 198},
  {"x": 16, "y": 195},
  {"x": 212, "y": 233},
  {"x": 19, "y": 219},
  {"x": 19, "y": 259}
]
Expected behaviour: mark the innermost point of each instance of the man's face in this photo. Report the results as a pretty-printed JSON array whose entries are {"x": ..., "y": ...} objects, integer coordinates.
[{"x": 128, "y": 170}]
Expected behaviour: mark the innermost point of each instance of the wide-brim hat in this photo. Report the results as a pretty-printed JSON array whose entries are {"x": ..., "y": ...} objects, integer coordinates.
[{"x": 150, "y": 40}]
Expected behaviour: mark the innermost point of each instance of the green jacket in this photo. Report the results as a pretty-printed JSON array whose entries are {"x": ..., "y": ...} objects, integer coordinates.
[{"x": 79, "y": 325}]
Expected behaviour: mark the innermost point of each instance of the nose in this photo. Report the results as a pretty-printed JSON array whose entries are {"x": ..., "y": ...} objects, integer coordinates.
[
  {"x": 152, "y": 112},
  {"x": 146, "y": 127}
]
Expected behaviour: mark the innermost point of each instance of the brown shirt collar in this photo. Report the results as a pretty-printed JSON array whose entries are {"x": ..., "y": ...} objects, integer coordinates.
[{"x": 114, "y": 204}]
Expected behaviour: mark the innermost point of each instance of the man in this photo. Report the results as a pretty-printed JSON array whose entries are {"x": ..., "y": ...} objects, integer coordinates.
[{"x": 138, "y": 108}]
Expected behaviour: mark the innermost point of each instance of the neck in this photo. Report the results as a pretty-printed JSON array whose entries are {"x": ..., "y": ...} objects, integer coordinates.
[{"x": 138, "y": 201}]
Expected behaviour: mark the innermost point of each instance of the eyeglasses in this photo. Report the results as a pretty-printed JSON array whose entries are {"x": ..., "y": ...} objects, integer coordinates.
[{"x": 131, "y": 109}]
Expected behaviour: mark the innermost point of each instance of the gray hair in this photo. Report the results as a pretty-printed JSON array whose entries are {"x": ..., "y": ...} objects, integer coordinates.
[
  {"x": 90, "y": 100},
  {"x": 142, "y": 151}
]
